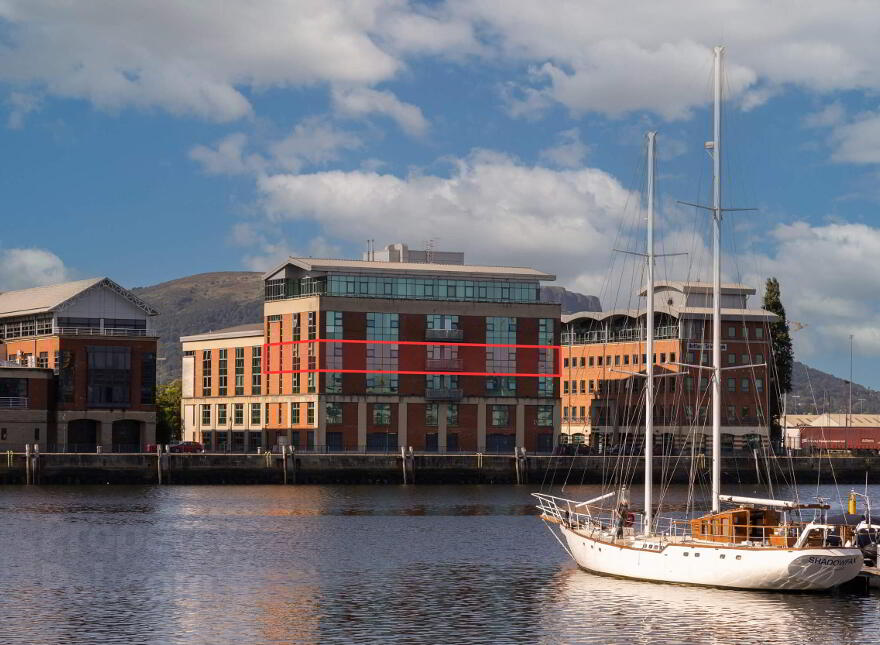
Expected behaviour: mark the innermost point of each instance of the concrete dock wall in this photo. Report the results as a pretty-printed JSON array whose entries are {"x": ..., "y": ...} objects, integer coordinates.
[{"x": 311, "y": 468}]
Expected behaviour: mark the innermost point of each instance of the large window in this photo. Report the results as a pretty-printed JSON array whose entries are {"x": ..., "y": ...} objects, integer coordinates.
[
  {"x": 333, "y": 353},
  {"x": 221, "y": 414},
  {"x": 431, "y": 414},
  {"x": 381, "y": 414},
  {"x": 544, "y": 415},
  {"x": 545, "y": 358},
  {"x": 255, "y": 414},
  {"x": 239, "y": 371},
  {"x": 66, "y": 367},
  {"x": 294, "y": 414},
  {"x": 148, "y": 378},
  {"x": 441, "y": 321},
  {"x": 501, "y": 330},
  {"x": 334, "y": 413},
  {"x": 500, "y": 416},
  {"x": 222, "y": 371},
  {"x": 433, "y": 289},
  {"x": 109, "y": 376},
  {"x": 382, "y": 357},
  {"x": 238, "y": 414},
  {"x": 256, "y": 369},
  {"x": 206, "y": 372},
  {"x": 451, "y": 414},
  {"x": 206, "y": 414}
]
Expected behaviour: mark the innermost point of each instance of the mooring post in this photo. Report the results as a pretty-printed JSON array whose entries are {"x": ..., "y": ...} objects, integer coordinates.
[
  {"x": 516, "y": 463},
  {"x": 292, "y": 465},
  {"x": 412, "y": 466},
  {"x": 27, "y": 464},
  {"x": 284, "y": 462},
  {"x": 403, "y": 463},
  {"x": 36, "y": 469},
  {"x": 159, "y": 463}
]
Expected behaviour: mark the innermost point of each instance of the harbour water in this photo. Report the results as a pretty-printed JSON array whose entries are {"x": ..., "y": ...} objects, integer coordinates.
[{"x": 305, "y": 564}]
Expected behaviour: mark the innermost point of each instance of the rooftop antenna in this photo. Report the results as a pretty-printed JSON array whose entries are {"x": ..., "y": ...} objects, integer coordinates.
[{"x": 429, "y": 250}]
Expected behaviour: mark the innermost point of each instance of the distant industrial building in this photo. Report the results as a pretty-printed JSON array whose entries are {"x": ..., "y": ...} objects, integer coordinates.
[
  {"x": 77, "y": 368},
  {"x": 400, "y": 349},
  {"x": 604, "y": 355}
]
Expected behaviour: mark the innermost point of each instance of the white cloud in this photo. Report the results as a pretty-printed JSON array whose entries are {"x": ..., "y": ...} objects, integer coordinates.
[
  {"x": 23, "y": 268},
  {"x": 313, "y": 142},
  {"x": 193, "y": 58},
  {"x": 831, "y": 115},
  {"x": 20, "y": 105},
  {"x": 857, "y": 141},
  {"x": 569, "y": 151},
  {"x": 615, "y": 57},
  {"x": 272, "y": 253},
  {"x": 491, "y": 206},
  {"x": 363, "y": 101}
]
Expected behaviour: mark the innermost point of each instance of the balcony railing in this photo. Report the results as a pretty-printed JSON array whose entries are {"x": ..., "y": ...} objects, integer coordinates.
[
  {"x": 443, "y": 364},
  {"x": 107, "y": 331},
  {"x": 444, "y": 394},
  {"x": 627, "y": 334},
  {"x": 14, "y": 403},
  {"x": 448, "y": 335}
]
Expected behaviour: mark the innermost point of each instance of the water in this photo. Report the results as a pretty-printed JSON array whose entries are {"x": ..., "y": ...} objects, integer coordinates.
[{"x": 272, "y": 564}]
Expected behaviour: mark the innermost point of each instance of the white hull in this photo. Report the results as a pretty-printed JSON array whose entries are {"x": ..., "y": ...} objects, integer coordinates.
[{"x": 696, "y": 563}]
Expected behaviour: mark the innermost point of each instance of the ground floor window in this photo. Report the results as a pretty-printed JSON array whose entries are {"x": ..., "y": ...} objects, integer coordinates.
[
  {"x": 545, "y": 442},
  {"x": 500, "y": 443},
  {"x": 431, "y": 444},
  {"x": 452, "y": 442},
  {"x": 334, "y": 441},
  {"x": 382, "y": 441}
]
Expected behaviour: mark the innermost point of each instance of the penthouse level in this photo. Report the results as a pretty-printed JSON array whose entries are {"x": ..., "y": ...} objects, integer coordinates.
[
  {"x": 375, "y": 355},
  {"x": 604, "y": 362}
]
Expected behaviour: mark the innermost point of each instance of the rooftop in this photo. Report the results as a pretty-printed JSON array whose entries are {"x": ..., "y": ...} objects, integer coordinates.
[
  {"x": 238, "y": 331},
  {"x": 831, "y": 420},
  {"x": 38, "y": 300},
  {"x": 727, "y": 288},
  {"x": 472, "y": 271}
]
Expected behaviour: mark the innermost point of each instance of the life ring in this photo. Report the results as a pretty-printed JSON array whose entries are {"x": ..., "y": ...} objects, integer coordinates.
[{"x": 629, "y": 519}]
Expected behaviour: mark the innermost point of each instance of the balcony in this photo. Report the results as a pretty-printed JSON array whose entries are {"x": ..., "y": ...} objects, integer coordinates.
[
  {"x": 626, "y": 334},
  {"x": 444, "y": 394},
  {"x": 14, "y": 403},
  {"x": 443, "y": 364},
  {"x": 107, "y": 331},
  {"x": 445, "y": 335}
]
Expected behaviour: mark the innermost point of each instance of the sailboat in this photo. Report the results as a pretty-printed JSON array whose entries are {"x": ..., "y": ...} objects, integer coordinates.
[{"x": 753, "y": 543}]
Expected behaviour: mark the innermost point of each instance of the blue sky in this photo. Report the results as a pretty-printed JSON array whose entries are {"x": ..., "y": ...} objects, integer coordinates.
[{"x": 151, "y": 140}]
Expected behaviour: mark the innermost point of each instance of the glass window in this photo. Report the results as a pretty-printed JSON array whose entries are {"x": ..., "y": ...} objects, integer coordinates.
[
  {"x": 334, "y": 413},
  {"x": 206, "y": 414},
  {"x": 731, "y": 384},
  {"x": 109, "y": 376},
  {"x": 431, "y": 414},
  {"x": 731, "y": 332},
  {"x": 744, "y": 385},
  {"x": 382, "y": 414},
  {"x": 544, "y": 415},
  {"x": 255, "y": 414},
  {"x": 206, "y": 372},
  {"x": 222, "y": 371},
  {"x": 239, "y": 371},
  {"x": 221, "y": 414},
  {"x": 294, "y": 414},
  {"x": 759, "y": 385},
  {"x": 238, "y": 414},
  {"x": 148, "y": 378},
  {"x": 256, "y": 369},
  {"x": 759, "y": 332},
  {"x": 382, "y": 357},
  {"x": 501, "y": 330},
  {"x": 452, "y": 414},
  {"x": 310, "y": 414},
  {"x": 500, "y": 415}
]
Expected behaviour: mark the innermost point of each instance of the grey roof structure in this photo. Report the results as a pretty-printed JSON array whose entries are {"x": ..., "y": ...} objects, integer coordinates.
[
  {"x": 238, "y": 331},
  {"x": 678, "y": 312},
  {"x": 727, "y": 288},
  {"x": 472, "y": 271},
  {"x": 38, "y": 300}
]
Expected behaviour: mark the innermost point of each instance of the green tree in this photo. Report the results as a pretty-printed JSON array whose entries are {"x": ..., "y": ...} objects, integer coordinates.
[
  {"x": 168, "y": 412},
  {"x": 783, "y": 356}
]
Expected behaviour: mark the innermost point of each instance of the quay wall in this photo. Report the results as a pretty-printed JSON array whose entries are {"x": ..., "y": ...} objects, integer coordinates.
[{"x": 314, "y": 468}]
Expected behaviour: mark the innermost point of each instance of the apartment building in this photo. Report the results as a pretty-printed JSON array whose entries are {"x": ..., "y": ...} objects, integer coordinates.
[
  {"x": 95, "y": 340},
  {"x": 377, "y": 354},
  {"x": 604, "y": 353}
]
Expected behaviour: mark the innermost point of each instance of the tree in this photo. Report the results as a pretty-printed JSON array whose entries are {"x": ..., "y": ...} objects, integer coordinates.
[
  {"x": 168, "y": 412},
  {"x": 783, "y": 356}
]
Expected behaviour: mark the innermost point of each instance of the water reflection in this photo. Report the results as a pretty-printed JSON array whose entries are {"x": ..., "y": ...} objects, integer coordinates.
[{"x": 348, "y": 564}]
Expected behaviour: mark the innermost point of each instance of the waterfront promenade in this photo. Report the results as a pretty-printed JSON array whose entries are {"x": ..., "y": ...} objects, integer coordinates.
[{"x": 418, "y": 468}]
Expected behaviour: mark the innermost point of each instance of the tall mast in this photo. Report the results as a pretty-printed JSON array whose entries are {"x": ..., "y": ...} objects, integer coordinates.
[
  {"x": 649, "y": 346},
  {"x": 716, "y": 289}
]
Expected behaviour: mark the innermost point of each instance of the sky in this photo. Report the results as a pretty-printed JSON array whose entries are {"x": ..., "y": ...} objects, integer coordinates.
[{"x": 153, "y": 139}]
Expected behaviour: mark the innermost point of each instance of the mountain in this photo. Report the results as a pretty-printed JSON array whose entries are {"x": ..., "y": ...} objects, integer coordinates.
[
  {"x": 818, "y": 390},
  {"x": 208, "y": 301},
  {"x": 200, "y": 303},
  {"x": 571, "y": 301}
]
